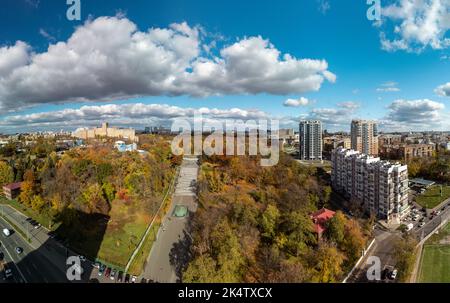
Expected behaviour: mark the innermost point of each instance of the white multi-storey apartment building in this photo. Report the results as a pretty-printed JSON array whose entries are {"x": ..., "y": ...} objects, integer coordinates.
[
  {"x": 311, "y": 143},
  {"x": 380, "y": 186}
]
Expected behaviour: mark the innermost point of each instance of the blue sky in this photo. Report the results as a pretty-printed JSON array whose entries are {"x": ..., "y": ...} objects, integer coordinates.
[{"x": 402, "y": 80}]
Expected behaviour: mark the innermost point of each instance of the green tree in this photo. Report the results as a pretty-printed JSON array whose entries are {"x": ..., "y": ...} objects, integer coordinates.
[
  {"x": 404, "y": 256},
  {"x": 329, "y": 262},
  {"x": 109, "y": 191},
  {"x": 201, "y": 270},
  {"x": 6, "y": 174},
  {"x": 269, "y": 220},
  {"x": 335, "y": 228},
  {"x": 37, "y": 203}
]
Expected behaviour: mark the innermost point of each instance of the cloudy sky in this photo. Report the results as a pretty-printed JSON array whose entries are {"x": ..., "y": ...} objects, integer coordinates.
[{"x": 144, "y": 63}]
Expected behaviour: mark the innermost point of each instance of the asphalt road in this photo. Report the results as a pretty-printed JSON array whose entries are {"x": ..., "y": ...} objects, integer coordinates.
[
  {"x": 30, "y": 266},
  {"x": 172, "y": 242}
]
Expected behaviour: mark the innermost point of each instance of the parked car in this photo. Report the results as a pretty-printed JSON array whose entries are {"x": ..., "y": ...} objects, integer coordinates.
[
  {"x": 108, "y": 272},
  {"x": 2, "y": 256},
  {"x": 120, "y": 277},
  {"x": 97, "y": 265},
  {"x": 101, "y": 270},
  {"x": 133, "y": 279},
  {"x": 6, "y": 232},
  {"x": 19, "y": 250},
  {"x": 143, "y": 280},
  {"x": 8, "y": 273},
  {"x": 127, "y": 278},
  {"x": 28, "y": 219},
  {"x": 394, "y": 274},
  {"x": 421, "y": 224},
  {"x": 113, "y": 275},
  {"x": 82, "y": 258}
]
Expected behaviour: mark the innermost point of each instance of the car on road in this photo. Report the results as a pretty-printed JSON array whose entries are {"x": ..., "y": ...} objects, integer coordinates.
[
  {"x": 127, "y": 278},
  {"x": 394, "y": 274},
  {"x": 113, "y": 275},
  {"x": 19, "y": 250},
  {"x": 120, "y": 276},
  {"x": 6, "y": 232}
]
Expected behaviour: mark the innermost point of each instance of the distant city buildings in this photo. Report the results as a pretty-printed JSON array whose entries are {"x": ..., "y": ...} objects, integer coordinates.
[
  {"x": 406, "y": 147},
  {"x": 364, "y": 137},
  {"x": 380, "y": 187},
  {"x": 106, "y": 131},
  {"x": 286, "y": 136},
  {"x": 311, "y": 145}
]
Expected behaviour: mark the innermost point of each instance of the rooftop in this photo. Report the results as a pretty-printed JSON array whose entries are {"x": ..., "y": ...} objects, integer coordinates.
[{"x": 13, "y": 186}]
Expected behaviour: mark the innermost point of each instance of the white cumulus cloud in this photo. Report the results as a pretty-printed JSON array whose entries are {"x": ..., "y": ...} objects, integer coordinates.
[
  {"x": 415, "y": 25},
  {"x": 109, "y": 58},
  {"x": 443, "y": 90},
  {"x": 302, "y": 101}
]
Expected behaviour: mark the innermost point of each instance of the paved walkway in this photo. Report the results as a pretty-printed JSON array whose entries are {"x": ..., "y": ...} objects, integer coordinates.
[{"x": 170, "y": 250}]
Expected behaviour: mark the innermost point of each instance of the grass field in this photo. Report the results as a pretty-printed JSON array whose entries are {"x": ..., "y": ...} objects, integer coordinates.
[
  {"x": 431, "y": 198},
  {"x": 435, "y": 263}
]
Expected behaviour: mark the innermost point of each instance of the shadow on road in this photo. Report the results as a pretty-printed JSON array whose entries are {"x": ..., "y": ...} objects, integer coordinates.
[
  {"x": 180, "y": 254},
  {"x": 83, "y": 233}
]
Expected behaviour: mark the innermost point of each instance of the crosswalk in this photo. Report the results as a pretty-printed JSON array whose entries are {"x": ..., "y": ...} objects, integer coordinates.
[{"x": 187, "y": 178}]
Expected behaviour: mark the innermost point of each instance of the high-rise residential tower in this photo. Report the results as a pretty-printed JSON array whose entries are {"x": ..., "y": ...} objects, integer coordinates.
[
  {"x": 311, "y": 140},
  {"x": 364, "y": 137}
]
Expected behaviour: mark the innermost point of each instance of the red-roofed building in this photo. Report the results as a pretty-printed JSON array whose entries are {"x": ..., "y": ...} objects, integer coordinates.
[
  {"x": 319, "y": 218},
  {"x": 12, "y": 190}
]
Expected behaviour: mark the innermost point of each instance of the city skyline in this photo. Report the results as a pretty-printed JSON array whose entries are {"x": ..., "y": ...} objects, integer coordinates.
[{"x": 399, "y": 78}]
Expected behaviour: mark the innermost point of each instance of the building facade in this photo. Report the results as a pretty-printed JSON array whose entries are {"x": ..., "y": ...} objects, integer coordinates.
[
  {"x": 380, "y": 187},
  {"x": 12, "y": 191},
  {"x": 407, "y": 152},
  {"x": 106, "y": 131},
  {"x": 311, "y": 144},
  {"x": 364, "y": 137}
]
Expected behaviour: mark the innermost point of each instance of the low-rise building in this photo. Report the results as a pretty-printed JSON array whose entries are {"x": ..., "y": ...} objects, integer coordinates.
[
  {"x": 320, "y": 218},
  {"x": 12, "y": 191}
]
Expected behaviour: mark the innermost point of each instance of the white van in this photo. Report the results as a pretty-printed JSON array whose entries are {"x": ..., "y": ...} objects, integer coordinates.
[
  {"x": 409, "y": 226},
  {"x": 6, "y": 232}
]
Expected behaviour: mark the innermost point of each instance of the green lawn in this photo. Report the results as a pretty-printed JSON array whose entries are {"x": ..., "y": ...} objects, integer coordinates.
[
  {"x": 431, "y": 198},
  {"x": 435, "y": 266},
  {"x": 435, "y": 263}
]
